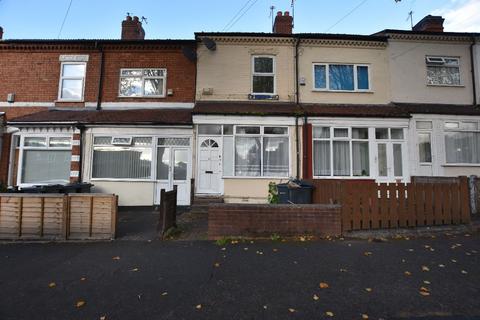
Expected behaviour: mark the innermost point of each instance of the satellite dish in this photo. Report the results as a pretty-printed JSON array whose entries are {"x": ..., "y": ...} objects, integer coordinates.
[
  {"x": 210, "y": 44},
  {"x": 189, "y": 53}
]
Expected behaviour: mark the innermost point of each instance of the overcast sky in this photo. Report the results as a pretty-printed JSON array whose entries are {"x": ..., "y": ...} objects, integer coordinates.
[{"x": 32, "y": 19}]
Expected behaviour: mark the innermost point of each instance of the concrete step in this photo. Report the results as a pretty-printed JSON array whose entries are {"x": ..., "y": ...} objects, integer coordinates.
[{"x": 207, "y": 199}]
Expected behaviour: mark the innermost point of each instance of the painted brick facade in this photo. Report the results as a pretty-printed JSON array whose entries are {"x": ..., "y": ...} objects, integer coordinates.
[{"x": 231, "y": 220}]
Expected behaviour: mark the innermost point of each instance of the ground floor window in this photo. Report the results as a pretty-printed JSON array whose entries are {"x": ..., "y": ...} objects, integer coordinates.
[
  {"x": 462, "y": 142},
  {"x": 45, "y": 159}
]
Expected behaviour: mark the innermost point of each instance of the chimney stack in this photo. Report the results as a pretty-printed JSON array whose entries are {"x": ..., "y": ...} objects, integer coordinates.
[
  {"x": 1, "y": 33},
  {"x": 283, "y": 23},
  {"x": 132, "y": 29},
  {"x": 430, "y": 24}
]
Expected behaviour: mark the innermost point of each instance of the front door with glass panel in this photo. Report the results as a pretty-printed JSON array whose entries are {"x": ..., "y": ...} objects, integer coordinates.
[
  {"x": 173, "y": 168},
  {"x": 209, "y": 165},
  {"x": 390, "y": 149}
]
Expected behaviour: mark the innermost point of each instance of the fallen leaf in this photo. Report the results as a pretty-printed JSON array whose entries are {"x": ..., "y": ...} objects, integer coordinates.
[
  {"x": 83, "y": 279},
  {"x": 464, "y": 272},
  {"x": 265, "y": 307},
  {"x": 303, "y": 239},
  {"x": 468, "y": 253},
  {"x": 365, "y": 316},
  {"x": 323, "y": 285},
  {"x": 367, "y": 253},
  {"x": 407, "y": 273},
  {"x": 164, "y": 293},
  {"x": 473, "y": 251},
  {"x": 424, "y": 293},
  {"x": 52, "y": 285},
  {"x": 426, "y": 282},
  {"x": 103, "y": 318},
  {"x": 216, "y": 265},
  {"x": 424, "y": 289},
  {"x": 315, "y": 297},
  {"x": 116, "y": 258},
  {"x": 275, "y": 250},
  {"x": 454, "y": 261},
  {"x": 223, "y": 249},
  {"x": 329, "y": 313},
  {"x": 260, "y": 252},
  {"x": 411, "y": 250},
  {"x": 343, "y": 270},
  {"x": 80, "y": 303},
  {"x": 291, "y": 310},
  {"x": 134, "y": 270},
  {"x": 441, "y": 266},
  {"x": 368, "y": 289},
  {"x": 245, "y": 249},
  {"x": 425, "y": 268},
  {"x": 198, "y": 306}
]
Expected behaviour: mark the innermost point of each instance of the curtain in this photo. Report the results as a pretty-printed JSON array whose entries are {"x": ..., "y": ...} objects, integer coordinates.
[
  {"x": 247, "y": 156},
  {"x": 424, "y": 147},
  {"x": 320, "y": 77},
  {"x": 341, "y": 77},
  {"x": 439, "y": 75},
  {"x": 122, "y": 163},
  {"x": 360, "y": 158},
  {"x": 46, "y": 166},
  {"x": 462, "y": 147},
  {"x": 227, "y": 156},
  {"x": 321, "y": 152},
  {"x": 163, "y": 163},
  {"x": 397, "y": 160},
  {"x": 362, "y": 78},
  {"x": 341, "y": 158},
  {"x": 275, "y": 157},
  {"x": 382, "y": 160}
]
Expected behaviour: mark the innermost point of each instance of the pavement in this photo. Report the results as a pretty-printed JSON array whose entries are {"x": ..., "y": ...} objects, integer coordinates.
[{"x": 423, "y": 278}]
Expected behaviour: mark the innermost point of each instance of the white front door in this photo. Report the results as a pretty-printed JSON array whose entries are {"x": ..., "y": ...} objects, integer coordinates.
[
  {"x": 209, "y": 165},
  {"x": 173, "y": 168}
]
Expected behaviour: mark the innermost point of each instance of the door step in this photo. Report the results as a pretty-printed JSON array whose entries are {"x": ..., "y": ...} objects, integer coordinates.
[{"x": 201, "y": 203}]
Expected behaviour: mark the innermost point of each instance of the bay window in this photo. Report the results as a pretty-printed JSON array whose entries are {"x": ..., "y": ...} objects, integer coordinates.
[
  {"x": 142, "y": 82},
  {"x": 341, "y": 77},
  {"x": 111, "y": 161},
  {"x": 462, "y": 142},
  {"x": 263, "y": 75},
  {"x": 45, "y": 159}
]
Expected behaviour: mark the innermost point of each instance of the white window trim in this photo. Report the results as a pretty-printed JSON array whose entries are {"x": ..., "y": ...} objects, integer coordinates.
[
  {"x": 274, "y": 62},
  {"x": 60, "y": 87},
  {"x": 261, "y": 135},
  {"x": 164, "y": 89},
  {"x": 355, "y": 79},
  {"x": 22, "y": 147},
  {"x": 459, "y": 129},
  {"x": 430, "y": 64}
]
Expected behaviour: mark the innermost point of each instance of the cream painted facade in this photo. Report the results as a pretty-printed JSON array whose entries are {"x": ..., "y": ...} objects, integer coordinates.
[
  {"x": 227, "y": 71},
  {"x": 408, "y": 71},
  {"x": 372, "y": 54}
]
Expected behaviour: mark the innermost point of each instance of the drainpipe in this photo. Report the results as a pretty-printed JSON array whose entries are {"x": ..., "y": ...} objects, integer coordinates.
[
  {"x": 81, "y": 127},
  {"x": 297, "y": 103},
  {"x": 100, "y": 78},
  {"x": 472, "y": 62}
]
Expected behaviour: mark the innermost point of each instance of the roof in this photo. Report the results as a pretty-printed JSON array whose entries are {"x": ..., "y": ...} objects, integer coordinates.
[
  {"x": 116, "y": 117},
  {"x": 248, "y": 108},
  {"x": 355, "y": 110},
  {"x": 445, "y": 109},
  {"x": 429, "y": 33},
  {"x": 94, "y": 41},
  {"x": 332, "y": 36}
]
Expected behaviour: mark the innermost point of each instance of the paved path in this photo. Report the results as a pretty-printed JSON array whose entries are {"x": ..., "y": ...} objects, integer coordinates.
[{"x": 263, "y": 280}]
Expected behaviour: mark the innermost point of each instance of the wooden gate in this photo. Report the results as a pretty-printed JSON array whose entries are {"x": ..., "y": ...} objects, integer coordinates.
[{"x": 168, "y": 210}]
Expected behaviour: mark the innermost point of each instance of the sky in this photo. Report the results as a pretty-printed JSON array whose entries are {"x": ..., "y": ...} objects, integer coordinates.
[{"x": 179, "y": 19}]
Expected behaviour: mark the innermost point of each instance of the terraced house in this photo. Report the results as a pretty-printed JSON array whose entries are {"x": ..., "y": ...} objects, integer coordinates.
[{"x": 235, "y": 111}]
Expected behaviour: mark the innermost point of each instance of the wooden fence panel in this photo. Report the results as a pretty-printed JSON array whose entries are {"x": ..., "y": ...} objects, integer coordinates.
[
  {"x": 367, "y": 205},
  {"x": 56, "y": 216}
]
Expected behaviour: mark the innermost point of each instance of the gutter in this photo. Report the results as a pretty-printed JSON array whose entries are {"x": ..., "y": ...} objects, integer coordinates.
[
  {"x": 100, "y": 78},
  {"x": 472, "y": 62}
]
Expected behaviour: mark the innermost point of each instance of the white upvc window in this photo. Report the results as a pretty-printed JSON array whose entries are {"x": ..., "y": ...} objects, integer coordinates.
[
  {"x": 341, "y": 151},
  {"x": 147, "y": 82},
  {"x": 341, "y": 77},
  {"x": 44, "y": 159},
  {"x": 72, "y": 81},
  {"x": 443, "y": 71},
  {"x": 462, "y": 142},
  {"x": 263, "y": 75}
]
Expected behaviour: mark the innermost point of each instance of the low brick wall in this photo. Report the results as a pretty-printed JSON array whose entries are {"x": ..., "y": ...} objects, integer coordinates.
[{"x": 264, "y": 220}]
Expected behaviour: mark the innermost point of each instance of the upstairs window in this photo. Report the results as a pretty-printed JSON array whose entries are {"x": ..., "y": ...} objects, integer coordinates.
[
  {"x": 263, "y": 80},
  {"x": 341, "y": 77},
  {"x": 142, "y": 82},
  {"x": 72, "y": 81},
  {"x": 443, "y": 71}
]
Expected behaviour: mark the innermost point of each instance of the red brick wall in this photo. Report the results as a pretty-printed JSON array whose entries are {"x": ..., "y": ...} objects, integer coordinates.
[{"x": 236, "y": 220}]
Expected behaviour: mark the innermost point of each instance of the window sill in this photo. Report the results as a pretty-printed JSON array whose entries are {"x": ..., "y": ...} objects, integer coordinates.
[
  {"x": 141, "y": 97},
  {"x": 66, "y": 100},
  {"x": 446, "y": 85},
  {"x": 343, "y": 91},
  {"x": 345, "y": 177},
  {"x": 461, "y": 165},
  {"x": 121, "y": 180},
  {"x": 254, "y": 177}
]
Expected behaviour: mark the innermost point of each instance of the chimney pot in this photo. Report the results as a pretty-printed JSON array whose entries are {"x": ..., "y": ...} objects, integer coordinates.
[
  {"x": 430, "y": 24},
  {"x": 129, "y": 18},
  {"x": 135, "y": 18},
  {"x": 132, "y": 29},
  {"x": 283, "y": 23}
]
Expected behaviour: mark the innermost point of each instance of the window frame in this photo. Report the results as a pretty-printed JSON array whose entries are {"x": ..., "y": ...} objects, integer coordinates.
[
  {"x": 433, "y": 64},
  {"x": 428, "y": 131},
  {"x": 460, "y": 130},
  {"x": 143, "y": 78},
  {"x": 263, "y": 74},
  {"x": 61, "y": 78},
  {"x": 21, "y": 147},
  {"x": 355, "y": 77}
]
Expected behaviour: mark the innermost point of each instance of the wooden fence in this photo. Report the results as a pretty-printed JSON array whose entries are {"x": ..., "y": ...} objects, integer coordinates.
[
  {"x": 168, "y": 210},
  {"x": 57, "y": 216},
  {"x": 370, "y": 205}
]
